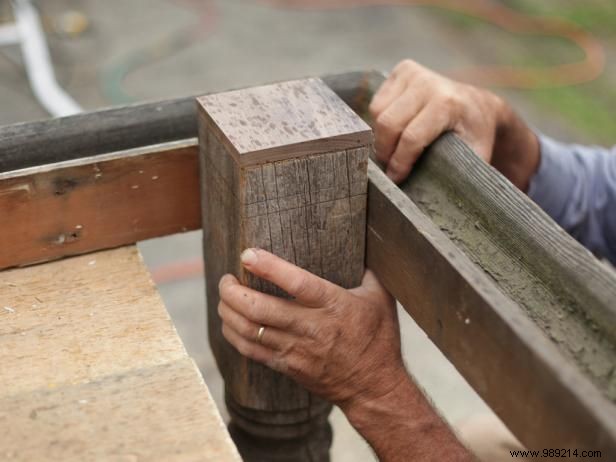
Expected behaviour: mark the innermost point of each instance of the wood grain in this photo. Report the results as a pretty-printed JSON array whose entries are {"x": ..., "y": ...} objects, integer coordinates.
[
  {"x": 78, "y": 319},
  {"x": 91, "y": 368},
  {"x": 157, "y": 413},
  {"x": 309, "y": 208},
  {"x": 283, "y": 120},
  {"x": 102, "y": 202},
  {"x": 558, "y": 283},
  {"x": 100, "y": 132},
  {"x": 543, "y": 398}
]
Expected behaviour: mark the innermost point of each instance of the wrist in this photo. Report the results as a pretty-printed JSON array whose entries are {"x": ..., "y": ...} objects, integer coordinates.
[
  {"x": 516, "y": 147},
  {"x": 364, "y": 410},
  {"x": 401, "y": 425}
]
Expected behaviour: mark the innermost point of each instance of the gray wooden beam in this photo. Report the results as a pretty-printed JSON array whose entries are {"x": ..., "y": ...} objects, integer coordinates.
[
  {"x": 507, "y": 354},
  {"x": 48, "y": 141}
]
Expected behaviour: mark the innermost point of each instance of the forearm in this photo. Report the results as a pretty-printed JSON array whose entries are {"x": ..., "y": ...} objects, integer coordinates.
[
  {"x": 516, "y": 151},
  {"x": 402, "y": 426}
]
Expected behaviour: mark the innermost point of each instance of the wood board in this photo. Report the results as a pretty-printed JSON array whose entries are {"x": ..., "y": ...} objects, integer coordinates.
[{"x": 91, "y": 368}]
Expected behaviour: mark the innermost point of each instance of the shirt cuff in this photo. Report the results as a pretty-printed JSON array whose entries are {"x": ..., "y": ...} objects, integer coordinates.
[{"x": 552, "y": 181}]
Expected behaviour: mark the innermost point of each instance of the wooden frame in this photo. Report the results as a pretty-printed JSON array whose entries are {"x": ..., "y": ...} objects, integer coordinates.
[{"x": 521, "y": 292}]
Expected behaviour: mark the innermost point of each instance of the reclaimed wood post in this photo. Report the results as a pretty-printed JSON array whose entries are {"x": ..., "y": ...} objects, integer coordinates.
[{"x": 283, "y": 168}]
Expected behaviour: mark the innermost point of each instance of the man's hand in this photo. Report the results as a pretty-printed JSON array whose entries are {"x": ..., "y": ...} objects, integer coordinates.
[
  {"x": 415, "y": 105},
  {"x": 343, "y": 345}
]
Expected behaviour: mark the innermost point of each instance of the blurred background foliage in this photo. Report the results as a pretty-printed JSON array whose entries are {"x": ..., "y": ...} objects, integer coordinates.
[{"x": 589, "y": 106}]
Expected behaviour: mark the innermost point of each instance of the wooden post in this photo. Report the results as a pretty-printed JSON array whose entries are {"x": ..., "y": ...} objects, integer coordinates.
[{"x": 283, "y": 168}]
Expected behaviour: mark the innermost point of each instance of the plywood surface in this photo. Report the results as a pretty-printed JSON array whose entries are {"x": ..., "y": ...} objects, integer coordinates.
[
  {"x": 81, "y": 318},
  {"x": 158, "y": 413},
  {"x": 91, "y": 368}
]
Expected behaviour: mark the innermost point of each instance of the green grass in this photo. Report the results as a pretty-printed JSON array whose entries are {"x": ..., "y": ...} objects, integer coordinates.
[
  {"x": 591, "y": 107},
  {"x": 596, "y": 15},
  {"x": 592, "y": 115}
]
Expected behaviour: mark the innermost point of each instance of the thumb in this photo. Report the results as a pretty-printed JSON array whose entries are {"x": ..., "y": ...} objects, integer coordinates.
[{"x": 373, "y": 288}]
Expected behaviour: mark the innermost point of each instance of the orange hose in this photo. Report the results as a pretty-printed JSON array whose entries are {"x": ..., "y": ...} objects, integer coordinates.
[
  {"x": 178, "y": 270},
  {"x": 585, "y": 70}
]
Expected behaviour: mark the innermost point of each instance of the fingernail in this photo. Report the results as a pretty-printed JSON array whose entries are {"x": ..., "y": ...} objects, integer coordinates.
[
  {"x": 222, "y": 281},
  {"x": 248, "y": 257}
]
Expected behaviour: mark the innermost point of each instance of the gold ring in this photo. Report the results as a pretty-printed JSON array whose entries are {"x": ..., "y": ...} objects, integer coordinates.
[{"x": 260, "y": 334}]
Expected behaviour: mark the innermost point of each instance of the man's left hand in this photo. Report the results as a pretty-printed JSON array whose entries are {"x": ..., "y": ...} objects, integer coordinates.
[{"x": 343, "y": 345}]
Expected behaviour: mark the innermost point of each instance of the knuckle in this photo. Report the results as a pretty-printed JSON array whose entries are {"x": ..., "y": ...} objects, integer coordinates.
[
  {"x": 296, "y": 367},
  {"x": 293, "y": 325},
  {"x": 245, "y": 329},
  {"x": 301, "y": 286},
  {"x": 409, "y": 138},
  {"x": 394, "y": 164},
  {"x": 321, "y": 294},
  {"x": 447, "y": 99},
  {"x": 253, "y": 312},
  {"x": 398, "y": 169},
  {"x": 289, "y": 350},
  {"x": 385, "y": 123},
  {"x": 447, "y": 102},
  {"x": 225, "y": 333},
  {"x": 374, "y": 106},
  {"x": 244, "y": 348},
  {"x": 331, "y": 334},
  {"x": 404, "y": 66},
  {"x": 409, "y": 63},
  {"x": 223, "y": 290}
]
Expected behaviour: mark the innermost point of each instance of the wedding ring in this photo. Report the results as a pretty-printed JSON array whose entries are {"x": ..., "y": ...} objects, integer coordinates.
[{"x": 260, "y": 334}]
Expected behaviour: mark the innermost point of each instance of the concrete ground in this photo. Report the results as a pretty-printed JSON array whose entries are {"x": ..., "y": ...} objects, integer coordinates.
[{"x": 152, "y": 49}]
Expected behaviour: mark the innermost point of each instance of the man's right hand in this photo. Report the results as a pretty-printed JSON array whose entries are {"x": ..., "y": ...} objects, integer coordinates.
[{"x": 415, "y": 105}]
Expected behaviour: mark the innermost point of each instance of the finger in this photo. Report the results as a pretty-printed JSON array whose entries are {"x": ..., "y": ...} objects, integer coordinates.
[
  {"x": 392, "y": 121},
  {"x": 261, "y": 308},
  {"x": 418, "y": 134},
  {"x": 272, "y": 338},
  {"x": 304, "y": 286},
  {"x": 247, "y": 348},
  {"x": 388, "y": 92}
]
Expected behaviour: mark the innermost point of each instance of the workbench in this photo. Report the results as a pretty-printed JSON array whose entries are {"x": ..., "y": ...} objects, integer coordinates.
[{"x": 93, "y": 369}]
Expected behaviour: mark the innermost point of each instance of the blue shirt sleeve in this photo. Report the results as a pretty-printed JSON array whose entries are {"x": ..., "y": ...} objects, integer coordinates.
[{"x": 576, "y": 186}]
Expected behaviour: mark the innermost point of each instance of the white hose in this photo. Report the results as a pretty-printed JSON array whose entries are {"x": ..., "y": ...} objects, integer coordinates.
[{"x": 38, "y": 63}]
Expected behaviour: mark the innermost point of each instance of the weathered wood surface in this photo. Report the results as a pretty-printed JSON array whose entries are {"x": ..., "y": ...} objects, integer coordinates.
[
  {"x": 519, "y": 370},
  {"x": 91, "y": 368},
  {"x": 159, "y": 413},
  {"x": 281, "y": 121},
  {"x": 96, "y": 203},
  {"x": 533, "y": 261},
  {"x": 62, "y": 155},
  {"x": 575, "y": 409},
  {"x": 50, "y": 141},
  {"x": 306, "y": 204}
]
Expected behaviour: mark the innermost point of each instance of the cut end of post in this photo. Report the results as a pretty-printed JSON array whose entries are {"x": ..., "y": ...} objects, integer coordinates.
[{"x": 283, "y": 121}]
